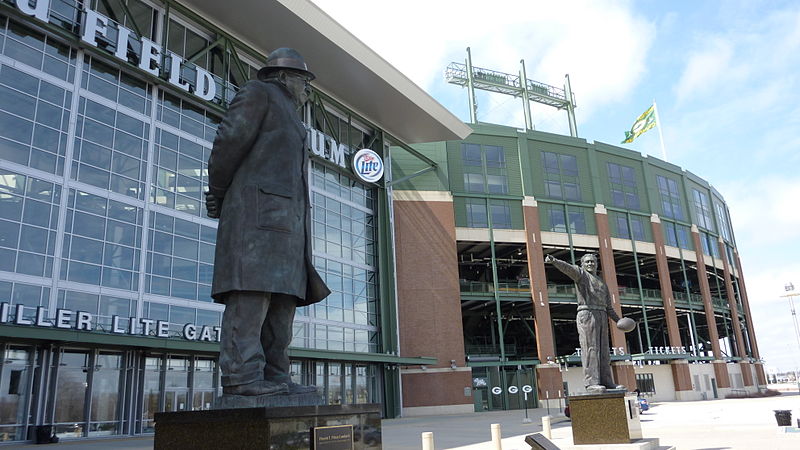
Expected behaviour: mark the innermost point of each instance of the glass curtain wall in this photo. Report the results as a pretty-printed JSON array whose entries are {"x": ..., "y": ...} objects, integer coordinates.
[
  {"x": 123, "y": 150},
  {"x": 102, "y": 175},
  {"x": 346, "y": 383}
]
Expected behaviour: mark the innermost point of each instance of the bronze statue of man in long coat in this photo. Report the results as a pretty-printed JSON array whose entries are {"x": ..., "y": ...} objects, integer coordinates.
[
  {"x": 258, "y": 187},
  {"x": 594, "y": 310}
]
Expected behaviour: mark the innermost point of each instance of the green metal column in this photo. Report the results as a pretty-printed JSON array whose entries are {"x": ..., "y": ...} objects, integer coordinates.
[
  {"x": 496, "y": 285},
  {"x": 569, "y": 234},
  {"x": 638, "y": 280},
  {"x": 573, "y": 125},
  {"x": 526, "y": 102},
  {"x": 473, "y": 104},
  {"x": 725, "y": 318},
  {"x": 388, "y": 294},
  {"x": 692, "y": 325}
]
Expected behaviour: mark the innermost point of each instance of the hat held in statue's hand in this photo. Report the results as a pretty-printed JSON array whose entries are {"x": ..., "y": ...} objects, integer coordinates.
[
  {"x": 626, "y": 324},
  {"x": 285, "y": 58}
]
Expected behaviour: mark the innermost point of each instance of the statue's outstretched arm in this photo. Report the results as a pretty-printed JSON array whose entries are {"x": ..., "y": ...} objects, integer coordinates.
[{"x": 570, "y": 270}]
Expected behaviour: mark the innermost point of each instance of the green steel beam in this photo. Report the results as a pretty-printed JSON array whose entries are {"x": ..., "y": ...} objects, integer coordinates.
[
  {"x": 193, "y": 58},
  {"x": 235, "y": 57},
  {"x": 410, "y": 176},
  {"x": 130, "y": 16},
  {"x": 111, "y": 14},
  {"x": 325, "y": 118},
  {"x": 528, "y": 327},
  {"x": 417, "y": 154},
  {"x": 191, "y": 15}
]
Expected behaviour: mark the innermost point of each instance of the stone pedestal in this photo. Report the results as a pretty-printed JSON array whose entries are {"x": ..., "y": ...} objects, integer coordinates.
[
  {"x": 265, "y": 428},
  {"x": 607, "y": 418}
]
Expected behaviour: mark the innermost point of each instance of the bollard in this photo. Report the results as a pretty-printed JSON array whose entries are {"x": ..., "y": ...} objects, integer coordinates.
[
  {"x": 546, "y": 429},
  {"x": 547, "y": 400},
  {"x": 427, "y": 441},
  {"x": 559, "y": 401},
  {"x": 497, "y": 445}
]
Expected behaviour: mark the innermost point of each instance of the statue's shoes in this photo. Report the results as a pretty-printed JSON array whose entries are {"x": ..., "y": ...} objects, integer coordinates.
[
  {"x": 295, "y": 388},
  {"x": 260, "y": 387},
  {"x": 618, "y": 386},
  {"x": 595, "y": 388}
]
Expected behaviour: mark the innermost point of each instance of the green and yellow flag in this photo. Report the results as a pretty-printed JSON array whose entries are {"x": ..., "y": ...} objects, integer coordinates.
[{"x": 645, "y": 122}]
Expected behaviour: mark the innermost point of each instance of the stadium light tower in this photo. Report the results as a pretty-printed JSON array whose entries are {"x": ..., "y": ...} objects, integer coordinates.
[
  {"x": 789, "y": 288},
  {"x": 515, "y": 85}
]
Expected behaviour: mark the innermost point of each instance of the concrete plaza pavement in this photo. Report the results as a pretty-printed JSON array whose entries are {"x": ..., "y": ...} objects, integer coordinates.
[{"x": 741, "y": 424}]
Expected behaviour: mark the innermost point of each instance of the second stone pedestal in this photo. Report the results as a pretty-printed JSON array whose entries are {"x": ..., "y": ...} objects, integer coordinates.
[
  {"x": 607, "y": 418},
  {"x": 284, "y": 428}
]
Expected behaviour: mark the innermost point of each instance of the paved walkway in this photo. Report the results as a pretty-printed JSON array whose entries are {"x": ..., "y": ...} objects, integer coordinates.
[
  {"x": 741, "y": 424},
  {"x": 746, "y": 424}
]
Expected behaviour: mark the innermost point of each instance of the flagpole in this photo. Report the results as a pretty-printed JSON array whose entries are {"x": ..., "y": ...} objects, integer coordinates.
[{"x": 660, "y": 135}]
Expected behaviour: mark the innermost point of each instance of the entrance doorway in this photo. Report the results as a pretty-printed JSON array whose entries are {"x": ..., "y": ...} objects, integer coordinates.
[{"x": 503, "y": 387}]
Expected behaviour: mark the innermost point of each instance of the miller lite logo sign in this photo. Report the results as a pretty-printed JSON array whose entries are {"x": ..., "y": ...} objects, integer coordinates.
[{"x": 368, "y": 165}]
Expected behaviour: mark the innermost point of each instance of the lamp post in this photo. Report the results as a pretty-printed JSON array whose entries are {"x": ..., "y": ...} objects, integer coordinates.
[{"x": 789, "y": 288}]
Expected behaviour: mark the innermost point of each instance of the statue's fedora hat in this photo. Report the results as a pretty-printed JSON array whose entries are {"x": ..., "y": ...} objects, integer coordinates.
[{"x": 285, "y": 59}]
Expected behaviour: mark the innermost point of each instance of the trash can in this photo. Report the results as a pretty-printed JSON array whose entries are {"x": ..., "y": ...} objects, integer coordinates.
[
  {"x": 784, "y": 417},
  {"x": 43, "y": 434}
]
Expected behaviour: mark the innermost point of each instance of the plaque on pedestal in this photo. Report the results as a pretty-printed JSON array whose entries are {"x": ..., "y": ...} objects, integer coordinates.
[{"x": 607, "y": 418}]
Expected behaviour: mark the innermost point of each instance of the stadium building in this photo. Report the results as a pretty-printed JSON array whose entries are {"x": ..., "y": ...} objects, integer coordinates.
[
  {"x": 502, "y": 199},
  {"x": 108, "y": 110}
]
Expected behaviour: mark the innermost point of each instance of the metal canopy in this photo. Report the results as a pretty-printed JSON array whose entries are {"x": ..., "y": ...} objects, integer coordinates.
[{"x": 346, "y": 68}]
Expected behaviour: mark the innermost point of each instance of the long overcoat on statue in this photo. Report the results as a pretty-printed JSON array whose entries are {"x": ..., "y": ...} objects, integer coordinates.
[{"x": 259, "y": 166}]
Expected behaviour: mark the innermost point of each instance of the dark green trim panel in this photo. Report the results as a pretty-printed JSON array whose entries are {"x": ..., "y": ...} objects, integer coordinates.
[
  {"x": 366, "y": 357},
  {"x": 114, "y": 340},
  {"x": 85, "y": 337},
  {"x": 522, "y": 362}
]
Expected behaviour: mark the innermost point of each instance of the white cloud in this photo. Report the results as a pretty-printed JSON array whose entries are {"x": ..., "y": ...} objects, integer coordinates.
[
  {"x": 766, "y": 221},
  {"x": 772, "y": 320},
  {"x": 603, "y": 47},
  {"x": 764, "y": 210},
  {"x": 732, "y": 119},
  {"x": 705, "y": 67},
  {"x": 737, "y": 85}
]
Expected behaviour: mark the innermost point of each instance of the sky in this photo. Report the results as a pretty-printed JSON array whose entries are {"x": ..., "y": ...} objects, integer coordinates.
[{"x": 725, "y": 76}]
